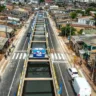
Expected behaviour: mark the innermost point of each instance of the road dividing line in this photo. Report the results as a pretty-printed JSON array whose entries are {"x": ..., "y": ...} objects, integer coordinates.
[
  {"x": 13, "y": 78},
  {"x": 59, "y": 56},
  {"x": 13, "y": 55},
  {"x": 55, "y": 56},
  {"x": 62, "y": 55},
  {"x": 20, "y": 55},
  {"x": 17, "y": 55},
  {"x": 63, "y": 80}
]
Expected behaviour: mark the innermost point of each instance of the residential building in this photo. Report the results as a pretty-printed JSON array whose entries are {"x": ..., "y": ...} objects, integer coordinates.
[
  {"x": 20, "y": 13},
  {"x": 3, "y": 44},
  {"x": 6, "y": 31},
  {"x": 87, "y": 1},
  {"x": 87, "y": 20},
  {"x": 84, "y": 45}
]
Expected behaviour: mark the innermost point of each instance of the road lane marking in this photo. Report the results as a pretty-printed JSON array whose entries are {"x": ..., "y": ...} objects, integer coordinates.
[
  {"x": 13, "y": 78},
  {"x": 17, "y": 55},
  {"x": 24, "y": 55},
  {"x": 55, "y": 56},
  {"x": 13, "y": 55},
  {"x": 20, "y": 55},
  {"x": 59, "y": 56},
  {"x": 62, "y": 55},
  {"x": 63, "y": 80}
]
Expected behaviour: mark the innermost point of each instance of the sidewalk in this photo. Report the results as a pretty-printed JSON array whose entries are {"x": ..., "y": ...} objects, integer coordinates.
[{"x": 4, "y": 62}]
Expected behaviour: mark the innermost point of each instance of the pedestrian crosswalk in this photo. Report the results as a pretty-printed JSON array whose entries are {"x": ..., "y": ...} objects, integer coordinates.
[
  {"x": 57, "y": 56},
  {"x": 19, "y": 55}
]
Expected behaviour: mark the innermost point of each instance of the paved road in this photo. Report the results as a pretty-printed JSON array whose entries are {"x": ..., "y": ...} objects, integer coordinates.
[
  {"x": 11, "y": 76},
  {"x": 61, "y": 68}
]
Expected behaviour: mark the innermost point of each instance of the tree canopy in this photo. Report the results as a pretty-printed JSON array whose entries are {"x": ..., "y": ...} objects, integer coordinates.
[
  {"x": 65, "y": 31},
  {"x": 73, "y": 15},
  {"x": 42, "y": 1},
  {"x": 2, "y": 8}
]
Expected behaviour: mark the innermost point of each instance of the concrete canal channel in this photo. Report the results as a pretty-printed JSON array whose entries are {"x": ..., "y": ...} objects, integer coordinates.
[{"x": 37, "y": 74}]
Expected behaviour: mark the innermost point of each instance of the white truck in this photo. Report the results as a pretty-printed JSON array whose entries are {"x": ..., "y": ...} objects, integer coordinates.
[{"x": 81, "y": 87}]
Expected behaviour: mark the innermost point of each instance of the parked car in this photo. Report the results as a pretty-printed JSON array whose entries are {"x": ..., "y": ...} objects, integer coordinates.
[
  {"x": 81, "y": 87},
  {"x": 73, "y": 72}
]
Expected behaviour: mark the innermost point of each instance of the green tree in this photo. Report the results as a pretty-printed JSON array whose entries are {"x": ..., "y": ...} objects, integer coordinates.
[
  {"x": 80, "y": 11},
  {"x": 2, "y": 8},
  {"x": 80, "y": 32},
  {"x": 73, "y": 15},
  {"x": 20, "y": 3},
  {"x": 67, "y": 29},
  {"x": 42, "y": 1},
  {"x": 87, "y": 11}
]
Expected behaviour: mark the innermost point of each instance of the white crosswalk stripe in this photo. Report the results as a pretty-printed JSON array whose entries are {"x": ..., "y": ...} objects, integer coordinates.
[
  {"x": 52, "y": 56},
  {"x": 62, "y": 56},
  {"x": 19, "y": 55},
  {"x": 24, "y": 55},
  {"x": 13, "y": 56},
  {"x": 57, "y": 56}
]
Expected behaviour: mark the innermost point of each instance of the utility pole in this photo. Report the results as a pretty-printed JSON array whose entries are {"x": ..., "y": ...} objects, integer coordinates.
[{"x": 6, "y": 28}]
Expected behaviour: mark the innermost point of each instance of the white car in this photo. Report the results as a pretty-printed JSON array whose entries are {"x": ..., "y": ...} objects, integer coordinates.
[{"x": 73, "y": 72}]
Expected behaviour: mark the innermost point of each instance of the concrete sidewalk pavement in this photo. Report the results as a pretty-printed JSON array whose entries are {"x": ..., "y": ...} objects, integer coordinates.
[{"x": 4, "y": 62}]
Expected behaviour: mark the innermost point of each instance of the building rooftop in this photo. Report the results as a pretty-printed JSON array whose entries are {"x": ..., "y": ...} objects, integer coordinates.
[
  {"x": 3, "y": 29},
  {"x": 2, "y": 42},
  {"x": 90, "y": 31},
  {"x": 90, "y": 41},
  {"x": 86, "y": 17},
  {"x": 21, "y": 9},
  {"x": 86, "y": 38}
]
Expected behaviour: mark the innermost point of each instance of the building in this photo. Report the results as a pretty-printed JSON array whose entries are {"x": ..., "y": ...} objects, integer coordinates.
[
  {"x": 6, "y": 31},
  {"x": 20, "y": 13},
  {"x": 84, "y": 45},
  {"x": 3, "y": 44},
  {"x": 87, "y": 1},
  {"x": 22, "y": 1},
  {"x": 87, "y": 20}
]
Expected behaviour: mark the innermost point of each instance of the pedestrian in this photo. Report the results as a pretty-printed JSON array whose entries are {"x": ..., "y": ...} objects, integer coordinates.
[{"x": 5, "y": 56}]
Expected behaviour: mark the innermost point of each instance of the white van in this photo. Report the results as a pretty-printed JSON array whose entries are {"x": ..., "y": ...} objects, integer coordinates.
[{"x": 81, "y": 86}]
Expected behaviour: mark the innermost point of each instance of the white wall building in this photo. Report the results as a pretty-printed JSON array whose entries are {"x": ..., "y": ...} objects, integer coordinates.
[
  {"x": 86, "y": 21},
  {"x": 87, "y": 1}
]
